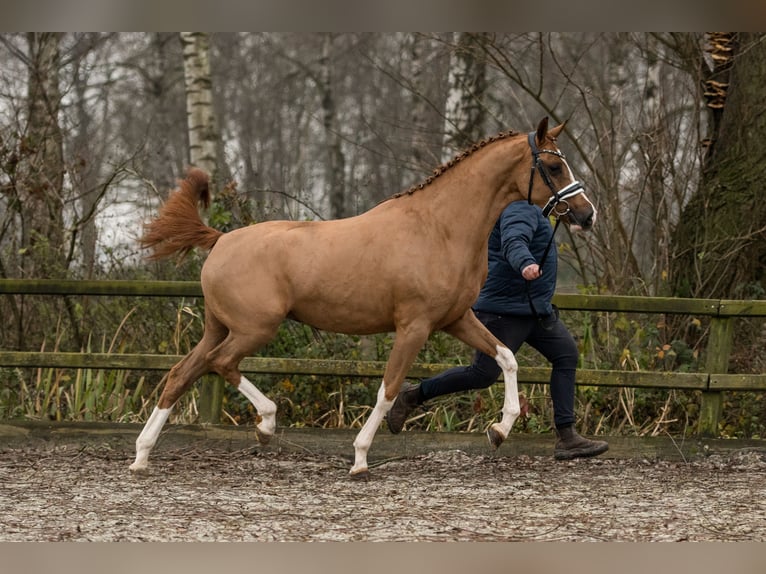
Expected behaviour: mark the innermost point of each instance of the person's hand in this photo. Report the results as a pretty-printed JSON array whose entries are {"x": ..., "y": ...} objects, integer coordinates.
[{"x": 531, "y": 272}]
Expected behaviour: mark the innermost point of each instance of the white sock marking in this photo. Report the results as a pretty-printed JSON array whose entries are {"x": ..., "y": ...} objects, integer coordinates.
[
  {"x": 511, "y": 407},
  {"x": 263, "y": 405},
  {"x": 363, "y": 440},
  {"x": 148, "y": 437}
]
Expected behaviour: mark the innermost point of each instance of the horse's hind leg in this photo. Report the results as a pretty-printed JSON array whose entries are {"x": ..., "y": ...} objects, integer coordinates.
[
  {"x": 265, "y": 407},
  {"x": 225, "y": 360},
  {"x": 471, "y": 331},
  {"x": 177, "y": 381}
]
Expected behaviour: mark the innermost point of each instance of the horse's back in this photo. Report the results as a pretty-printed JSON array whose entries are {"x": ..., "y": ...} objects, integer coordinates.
[{"x": 319, "y": 250}]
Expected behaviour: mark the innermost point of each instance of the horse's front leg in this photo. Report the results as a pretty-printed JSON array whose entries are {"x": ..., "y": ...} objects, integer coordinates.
[
  {"x": 363, "y": 440},
  {"x": 409, "y": 340},
  {"x": 498, "y": 432},
  {"x": 473, "y": 332}
]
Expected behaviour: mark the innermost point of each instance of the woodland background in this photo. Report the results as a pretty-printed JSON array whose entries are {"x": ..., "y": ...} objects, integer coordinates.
[{"x": 665, "y": 130}]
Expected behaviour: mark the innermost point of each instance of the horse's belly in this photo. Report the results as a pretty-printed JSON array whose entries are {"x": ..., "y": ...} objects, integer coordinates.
[{"x": 344, "y": 315}]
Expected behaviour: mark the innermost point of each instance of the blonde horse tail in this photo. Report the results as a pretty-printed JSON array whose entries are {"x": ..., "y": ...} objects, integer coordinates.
[{"x": 179, "y": 228}]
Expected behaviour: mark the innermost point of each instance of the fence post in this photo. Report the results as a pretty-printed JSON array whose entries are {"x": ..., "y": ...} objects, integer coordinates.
[
  {"x": 210, "y": 399},
  {"x": 718, "y": 350}
]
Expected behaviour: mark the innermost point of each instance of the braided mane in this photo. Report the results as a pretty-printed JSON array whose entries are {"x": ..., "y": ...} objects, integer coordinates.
[{"x": 451, "y": 163}]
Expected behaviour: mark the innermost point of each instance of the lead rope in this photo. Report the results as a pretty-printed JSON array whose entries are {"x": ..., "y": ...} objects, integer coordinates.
[
  {"x": 550, "y": 242},
  {"x": 535, "y": 314}
]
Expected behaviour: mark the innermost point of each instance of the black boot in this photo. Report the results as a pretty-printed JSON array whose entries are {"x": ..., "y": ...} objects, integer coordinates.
[
  {"x": 571, "y": 445},
  {"x": 405, "y": 403}
]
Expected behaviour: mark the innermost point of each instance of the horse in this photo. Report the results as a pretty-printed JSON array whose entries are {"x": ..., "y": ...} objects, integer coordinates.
[{"x": 412, "y": 264}]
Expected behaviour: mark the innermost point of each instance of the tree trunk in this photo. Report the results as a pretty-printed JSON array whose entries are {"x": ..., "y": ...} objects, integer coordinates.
[
  {"x": 650, "y": 212},
  {"x": 84, "y": 172},
  {"x": 464, "y": 113},
  {"x": 335, "y": 161},
  {"x": 40, "y": 173},
  {"x": 720, "y": 241},
  {"x": 203, "y": 133}
]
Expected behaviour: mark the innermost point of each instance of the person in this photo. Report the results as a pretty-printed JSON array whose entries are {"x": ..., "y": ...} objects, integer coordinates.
[{"x": 515, "y": 304}]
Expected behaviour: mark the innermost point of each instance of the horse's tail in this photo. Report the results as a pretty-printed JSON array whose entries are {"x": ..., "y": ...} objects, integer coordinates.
[{"x": 179, "y": 228}]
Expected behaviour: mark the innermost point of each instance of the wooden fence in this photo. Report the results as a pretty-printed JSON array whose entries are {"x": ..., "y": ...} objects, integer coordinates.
[{"x": 711, "y": 381}]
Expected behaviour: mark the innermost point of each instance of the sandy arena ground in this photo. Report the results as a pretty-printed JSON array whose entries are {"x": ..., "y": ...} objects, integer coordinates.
[{"x": 70, "y": 492}]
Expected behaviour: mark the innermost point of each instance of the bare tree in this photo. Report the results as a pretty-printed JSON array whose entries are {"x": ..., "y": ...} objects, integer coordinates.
[
  {"x": 632, "y": 135},
  {"x": 335, "y": 162},
  {"x": 416, "y": 51},
  {"x": 86, "y": 150},
  {"x": 464, "y": 109},
  {"x": 40, "y": 170},
  {"x": 148, "y": 111}
]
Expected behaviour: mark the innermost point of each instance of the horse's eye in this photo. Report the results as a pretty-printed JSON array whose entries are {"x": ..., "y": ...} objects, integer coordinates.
[{"x": 555, "y": 169}]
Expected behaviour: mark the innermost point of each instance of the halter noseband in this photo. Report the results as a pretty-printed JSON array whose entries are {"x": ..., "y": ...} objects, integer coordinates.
[{"x": 558, "y": 197}]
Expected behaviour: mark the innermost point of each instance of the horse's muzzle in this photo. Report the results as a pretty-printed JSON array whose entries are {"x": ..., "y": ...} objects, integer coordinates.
[
  {"x": 590, "y": 220},
  {"x": 584, "y": 220}
]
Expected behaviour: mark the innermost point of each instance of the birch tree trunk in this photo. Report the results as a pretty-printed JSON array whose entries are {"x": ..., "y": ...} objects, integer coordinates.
[
  {"x": 464, "y": 113},
  {"x": 201, "y": 122}
]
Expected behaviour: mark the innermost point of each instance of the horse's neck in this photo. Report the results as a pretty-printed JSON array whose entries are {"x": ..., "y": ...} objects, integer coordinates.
[{"x": 469, "y": 197}]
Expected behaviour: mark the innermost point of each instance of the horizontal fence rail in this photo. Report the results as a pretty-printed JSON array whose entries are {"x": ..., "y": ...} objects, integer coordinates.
[
  {"x": 711, "y": 382},
  {"x": 566, "y": 301},
  {"x": 343, "y": 368}
]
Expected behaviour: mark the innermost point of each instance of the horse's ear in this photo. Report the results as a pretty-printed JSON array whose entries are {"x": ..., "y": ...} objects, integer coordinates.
[
  {"x": 542, "y": 129},
  {"x": 554, "y": 132}
]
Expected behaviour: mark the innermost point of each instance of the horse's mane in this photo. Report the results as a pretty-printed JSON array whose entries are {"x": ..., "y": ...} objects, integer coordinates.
[{"x": 459, "y": 157}]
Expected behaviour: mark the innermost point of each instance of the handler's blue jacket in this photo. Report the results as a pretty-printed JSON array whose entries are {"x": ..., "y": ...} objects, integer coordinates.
[{"x": 519, "y": 238}]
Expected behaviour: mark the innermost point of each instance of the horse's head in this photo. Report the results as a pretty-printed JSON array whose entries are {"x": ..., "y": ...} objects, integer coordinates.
[{"x": 552, "y": 185}]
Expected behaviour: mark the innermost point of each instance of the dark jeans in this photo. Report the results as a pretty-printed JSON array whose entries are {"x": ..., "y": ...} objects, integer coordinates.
[{"x": 547, "y": 334}]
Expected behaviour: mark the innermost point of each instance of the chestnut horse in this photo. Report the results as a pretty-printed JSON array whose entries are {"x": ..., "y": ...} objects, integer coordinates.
[{"x": 413, "y": 264}]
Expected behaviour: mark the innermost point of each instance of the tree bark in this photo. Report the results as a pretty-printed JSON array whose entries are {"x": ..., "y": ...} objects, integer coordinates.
[{"x": 720, "y": 241}]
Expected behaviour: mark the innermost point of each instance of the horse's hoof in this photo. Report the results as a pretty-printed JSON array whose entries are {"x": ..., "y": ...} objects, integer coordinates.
[
  {"x": 495, "y": 438},
  {"x": 139, "y": 469},
  {"x": 360, "y": 475},
  {"x": 263, "y": 438}
]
